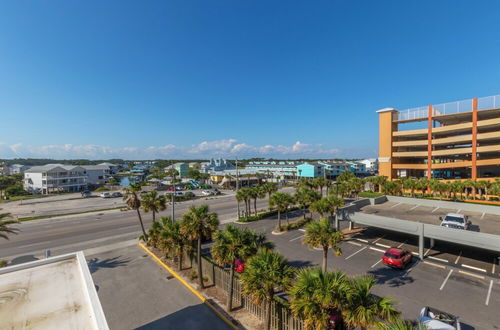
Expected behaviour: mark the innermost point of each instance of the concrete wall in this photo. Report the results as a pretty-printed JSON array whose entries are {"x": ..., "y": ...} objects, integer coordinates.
[{"x": 447, "y": 204}]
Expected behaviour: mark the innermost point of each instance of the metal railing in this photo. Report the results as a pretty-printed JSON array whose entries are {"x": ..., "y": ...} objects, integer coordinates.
[{"x": 483, "y": 103}]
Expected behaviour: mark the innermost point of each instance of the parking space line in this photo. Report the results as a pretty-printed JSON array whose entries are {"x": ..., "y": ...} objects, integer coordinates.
[
  {"x": 482, "y": 216},
  {"x": 438, "y": 259},
  {"x": 354, "y": 243},
  {"x": 375, "y": 249},
  {"x": 375, "y": 264},
  {"x": 352, "y": 255},
  {"x": 302, "y": 229},
  {"x": 395, "y": 205},
  {"x": 414, "y": 253},
  {"x": 425, "y": 254},
  {"x": 475, "y": 268},
  {"x": 489, "y": 293},
  {"x": 459, "y": 255},
  {"x": 378, "y": 239},
  {"x": 437, "y": 208},
  {"x": 493, "y": 267},
  {"x": 458, "y": 211},
  {"x": 383, "y": 245},
  {"x": 414, "y": 207},
  {"x": 361, "y": 240},
  {"x": 471, "y": 274},
  {"x": 433, "y": 264},
  {"x": 293, "y": 239},
  {"x": 446, "y": 280},
  {"x": 400, "y": 245}
]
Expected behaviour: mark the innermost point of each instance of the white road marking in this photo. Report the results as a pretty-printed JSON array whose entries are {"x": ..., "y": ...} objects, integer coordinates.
[
  {"x": 458, "y": 211},
  {"x": 459, "y": 255},
  {"x": 382, "y": 245},
  {"x": 414, "y": 207},
  {"x": 361, "y": 240},
  {"x": 425, "y": 254},
  {"x": 489, "y": 293},
  {"x": 378, "y": 239},
  {"x": 445, "y": 280},
  {"x": 375, "y": 249},
  {"x": 302, "y": 230},
  {"x": 414, "y": 253},
  {"x": 354, "y": 243},
  {"x": 433, "y": 264},
  {"x": 352, "y": 255},
  {"x": 293, "y": 239},
  {"x": 375, "y": 264},
  {"x": 482, "y": 216},
  {"x": 471, "y": 274},
  {"x": 439, "y": 259},
  {"x": 475, "y": 268},
  {"x": 437, "y": 208},
  {"x": 400, "y": 245},
  {"x": 395, "y": 205},
  {"x": 494, "y": 264}
]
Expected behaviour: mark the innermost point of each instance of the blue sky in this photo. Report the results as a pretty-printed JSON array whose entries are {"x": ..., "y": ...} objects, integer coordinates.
[{"x": 189, "y": 79}]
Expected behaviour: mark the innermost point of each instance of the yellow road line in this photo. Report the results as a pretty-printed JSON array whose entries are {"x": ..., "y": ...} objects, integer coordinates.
[
  {"x": 471, "y": 274},
  {"x": 433, "y": 264},
  {"x": 187, "y": 285}
]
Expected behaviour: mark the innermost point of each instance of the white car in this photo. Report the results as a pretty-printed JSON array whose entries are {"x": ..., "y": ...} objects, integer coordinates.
[
  {"x": 105, "y": 194},
  {"x": 431, "y": 318},
  {"x": 207, "y": 193},
  {"x": 455, "y": 220}
]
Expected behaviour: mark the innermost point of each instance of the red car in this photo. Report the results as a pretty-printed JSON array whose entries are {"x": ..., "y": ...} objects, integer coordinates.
[
  {"x": 396, "y": 258},
  {"x": 239, "y": 266}
]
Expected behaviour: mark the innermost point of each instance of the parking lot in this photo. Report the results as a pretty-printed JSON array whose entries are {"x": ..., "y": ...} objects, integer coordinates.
[{"x": 451, "y": 277}]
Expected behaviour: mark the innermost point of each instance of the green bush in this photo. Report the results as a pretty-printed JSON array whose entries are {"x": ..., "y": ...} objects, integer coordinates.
[
  {"x": 101, "y": 189},
  {"x": 370, "y": 194},
  {"x": 16, "y": 190},
  {"x": 3, "y": 263},
  {"x": 296, "y": 224},
  {"x": 263, "y": 215}
]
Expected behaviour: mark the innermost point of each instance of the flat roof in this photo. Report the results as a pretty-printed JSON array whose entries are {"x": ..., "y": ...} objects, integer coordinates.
[{"x": 53, "y": 293}]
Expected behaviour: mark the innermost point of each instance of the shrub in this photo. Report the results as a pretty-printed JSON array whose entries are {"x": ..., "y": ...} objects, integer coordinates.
[
  {"x": 101, "y": 189},
  {"x": 296, "y": 224},
  {"x": 263, "y": 215},
  {"x": 370, "y": 194},
  {"x": 3, "y": 263}
]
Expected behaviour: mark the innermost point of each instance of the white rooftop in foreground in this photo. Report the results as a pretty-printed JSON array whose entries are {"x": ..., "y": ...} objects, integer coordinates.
[{"x": 53, "y": 293}]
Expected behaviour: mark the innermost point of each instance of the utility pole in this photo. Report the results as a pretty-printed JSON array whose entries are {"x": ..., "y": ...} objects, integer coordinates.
[
  {"x": 173, "y": 196},
  {"x": 237, "y": 187}
]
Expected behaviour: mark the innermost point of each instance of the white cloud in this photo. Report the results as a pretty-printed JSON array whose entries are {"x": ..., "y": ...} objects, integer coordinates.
[{"x": 205, "y": 149}]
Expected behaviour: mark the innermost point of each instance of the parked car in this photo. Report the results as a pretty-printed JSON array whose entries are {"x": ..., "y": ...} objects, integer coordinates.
[
  {"x": 188, "y": 194},
  {"x": 396, "y": 258},
  {"x": 207, "y": 193},
  {"x": 86, "y": 194},
  {"x": 105, "y": 194},
  {"x": 239, "y": 266},
  {"x": 431, "y": 318},
  {"x": 455, "y": 220},
  {"x": 172, "y": 188},
  {"x": 116, "y": 194},
  {"x": 336, "y": 321}
]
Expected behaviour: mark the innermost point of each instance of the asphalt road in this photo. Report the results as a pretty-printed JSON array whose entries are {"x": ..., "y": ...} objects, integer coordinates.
[
  {"x": 77, "y": 232},
  {"x": 136, "y": 293}
]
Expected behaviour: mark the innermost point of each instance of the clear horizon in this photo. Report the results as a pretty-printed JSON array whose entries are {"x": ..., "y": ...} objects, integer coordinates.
[{"x": 191, "y": 79}]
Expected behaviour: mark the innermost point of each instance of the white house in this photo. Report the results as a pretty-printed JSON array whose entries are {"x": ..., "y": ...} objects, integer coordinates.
[
  {"x": 97, "y": 174},
  {"x": 371, "y": 164},
  {"x": 113, "y": 168},
  {"x": 18, "y": 168},
  {"x": 53, "y": 178}
]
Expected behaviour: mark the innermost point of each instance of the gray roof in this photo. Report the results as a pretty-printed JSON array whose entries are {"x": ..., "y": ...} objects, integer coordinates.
[
  {"x": 96, "y": 167},
  {"x": 49, "y": 167},
  {"x": 108, "y": 164}
]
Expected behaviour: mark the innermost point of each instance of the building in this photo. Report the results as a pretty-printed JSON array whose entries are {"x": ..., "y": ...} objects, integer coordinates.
[
  {"x": 52, "y": 178},
  {"x": 53, "y": 293},
  {"x": 371, "y": 165},
  {"x": 311, "y": 170},
  {"x": 275, "y": 169},
  {"x": 18, "y": 168},
  {"x": 457, "y": 140},
  {"x": 113, "y": 168},
  {"x": 181, "y": 168},
  {"x": 218, "y": 165},
  {"x": 195, "y": 165},
  {"x": 97, "y": 174},
  {"x": 334, "y": 168},
  {"x": 358, "y": 168}
]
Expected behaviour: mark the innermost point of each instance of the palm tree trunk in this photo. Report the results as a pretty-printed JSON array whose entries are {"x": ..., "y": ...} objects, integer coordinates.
[
  {"x": 279, "y": 221},
  {"x": 154, "y": 216},
  {"x": 287, "y": 222},
  {"x": 268, "y": 313},
  {"x": 325, "y": 257},
  {"x": 181, "y": 250},
  {"x": 229, "y": 303},
  {"x": 142, "y": 225},
  {"x": 198, "y": 257},
  {"x": 255, "y": 205}
]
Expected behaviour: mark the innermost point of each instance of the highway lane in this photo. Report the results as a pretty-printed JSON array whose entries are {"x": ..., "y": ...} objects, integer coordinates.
[{"x": 71, "y": 233}]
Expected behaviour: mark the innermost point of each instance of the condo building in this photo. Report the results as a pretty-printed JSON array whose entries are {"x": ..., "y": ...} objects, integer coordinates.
[
  {"x": 456, "y": 140},
  {"x": 53, "y": 178}
]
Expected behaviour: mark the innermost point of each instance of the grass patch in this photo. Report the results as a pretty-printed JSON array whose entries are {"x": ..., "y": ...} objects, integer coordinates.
[
  {"x": 64, "y": 214},
  {"x": 263, "y": 215},
  {"x": 18, "y": 198},
  {"x": 296, "y": 224},
  {"x": 370, "y": 194}
]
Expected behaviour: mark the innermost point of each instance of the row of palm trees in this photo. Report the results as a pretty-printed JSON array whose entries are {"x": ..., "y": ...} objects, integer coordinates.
[{"x": 247, "y": 194}]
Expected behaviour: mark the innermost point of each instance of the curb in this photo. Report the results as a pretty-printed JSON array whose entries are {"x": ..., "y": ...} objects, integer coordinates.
[{"x": 187, "y": 285}]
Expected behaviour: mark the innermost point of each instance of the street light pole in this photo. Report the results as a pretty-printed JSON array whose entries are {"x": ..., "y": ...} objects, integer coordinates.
[
  {"x": 237, "y": 187},
  {"x": 173, "y": 198}
]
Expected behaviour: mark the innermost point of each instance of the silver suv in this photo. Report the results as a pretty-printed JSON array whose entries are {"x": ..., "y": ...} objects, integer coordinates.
[{"x": 455, "y": 220}]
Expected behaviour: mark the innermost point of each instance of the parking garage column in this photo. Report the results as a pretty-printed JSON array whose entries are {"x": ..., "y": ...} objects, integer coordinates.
[
  {"x": 421, "y": 242},
  {"x": 474, "y": 140}
]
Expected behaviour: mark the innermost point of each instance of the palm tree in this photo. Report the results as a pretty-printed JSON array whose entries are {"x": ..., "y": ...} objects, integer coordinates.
[
  {"x": 320, "y": 206},
  {"x": 172, "y": 173},
  {"x": 397, "y": 324},
  {"x": 483, "y": 186},
  {"x": 154, "y": 203},
  {"x": 5, "y": 227},
  {"x": 173, "y": 240},
  {"x": 363, "y": 309},
  {"x": 155, "y": 232},
  {"x": 269, "y": 188},
  {"x": 263, "y": 273},
  {"x": 197, "y": 224},
  {"x": 334, "y": 203},
  {"x": 305, "y": 197},
  {"x": 281, "y": 201},
  {"x": 316, "y": 295},
  {"x": 132, "y": 200},
  {"x": 233, "y": 243},
  {"x": 321, "y": 234}
]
